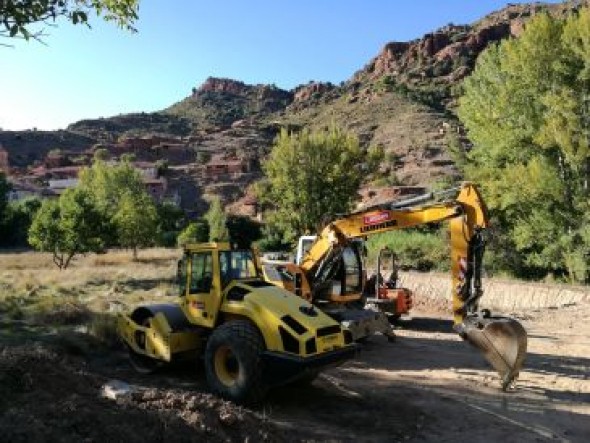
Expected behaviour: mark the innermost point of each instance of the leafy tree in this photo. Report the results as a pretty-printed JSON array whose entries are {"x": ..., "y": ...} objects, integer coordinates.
[
  {"x": 313, "y": 175},
  {"x": 107, "y": 184},
  {"x": 203, "y": 157},
  {"x": 195, "y": 232},
  {"x": 101, "y": 154},
  {"x": 119, "y": 194},
  {"x": 272, "y": 239},
  {"x": 68, "y": 226},
  {"x": 162, "y": 167},
  {"x": 136, "y": 221},
  {"x": 170, "y": 219},
  {"x": 527, "y": 110},
  {"x": 128, "y": 157},
  {"x": 4, "y": 189},
  {"x": 216, "y": 219},
  {"x": 242, "y": 230},
  {"x": 17, "y": 221},
  {"x": 17, "y": 16}
]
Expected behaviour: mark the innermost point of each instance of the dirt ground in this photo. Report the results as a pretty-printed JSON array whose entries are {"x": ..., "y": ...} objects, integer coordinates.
[{"x": 428, "y": 386}]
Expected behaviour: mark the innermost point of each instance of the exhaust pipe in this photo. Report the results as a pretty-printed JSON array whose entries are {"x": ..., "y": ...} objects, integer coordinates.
[{"x": 501, "y": 340}]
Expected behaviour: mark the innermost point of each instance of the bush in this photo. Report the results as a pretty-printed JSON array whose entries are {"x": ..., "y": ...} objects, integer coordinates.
[
  {"x": 168, "y": 239},
  {"x": 104, "y": 328},
  {"x": 195, "y": 232},
  {"x": 416, "y": 249}
]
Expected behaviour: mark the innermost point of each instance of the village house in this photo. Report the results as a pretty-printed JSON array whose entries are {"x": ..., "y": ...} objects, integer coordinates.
[
  {"x": 58, "y": 186},
  {"x": 21, "y": 190},
  {"x": 61, "y": 173},
  {"x": 219, "y": 166},
  {"x": 156, "y": 188},
  {"x": 148, "y": 170}
]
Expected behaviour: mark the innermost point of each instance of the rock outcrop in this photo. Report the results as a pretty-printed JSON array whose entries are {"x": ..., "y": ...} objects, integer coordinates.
[
  {"x": 213, "y": 84},
  {"x": 444, "y": 54},
  {"x": 312, "y": 90}
]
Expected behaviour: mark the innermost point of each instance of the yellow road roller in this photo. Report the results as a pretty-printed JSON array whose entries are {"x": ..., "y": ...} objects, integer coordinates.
[{"x": 251, "y": 334}]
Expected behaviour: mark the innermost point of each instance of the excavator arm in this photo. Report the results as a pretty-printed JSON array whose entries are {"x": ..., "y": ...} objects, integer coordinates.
[
  {"x": 468, "y": 219},
  {"x": 502, "y": 340}
]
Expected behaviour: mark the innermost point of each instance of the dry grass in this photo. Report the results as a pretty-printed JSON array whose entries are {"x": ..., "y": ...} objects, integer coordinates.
[
  {"x": 33, "y": 273},
  {"x": 89, "y": 292},
  {"x": 103, "y": 327}
]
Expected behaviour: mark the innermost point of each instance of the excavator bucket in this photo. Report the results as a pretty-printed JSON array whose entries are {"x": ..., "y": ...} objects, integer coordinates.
[{"x": 502, "y": 341}]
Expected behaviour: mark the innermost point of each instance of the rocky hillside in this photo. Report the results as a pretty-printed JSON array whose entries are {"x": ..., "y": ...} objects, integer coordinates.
[
  {"x": 429, "y": 69},
  {"x": 108, "y": 130},
  {"x": 403, "y": 99},
  {"x": 219, "y": 102},
  {"x": 26, "y": 147}
]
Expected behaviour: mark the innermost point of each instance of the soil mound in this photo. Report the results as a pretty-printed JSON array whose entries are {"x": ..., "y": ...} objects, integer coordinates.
[{"x": 46, "y": 396}]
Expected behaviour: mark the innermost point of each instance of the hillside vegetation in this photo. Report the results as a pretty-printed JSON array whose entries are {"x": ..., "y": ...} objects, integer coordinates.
[{"x": 405, "y": 102}]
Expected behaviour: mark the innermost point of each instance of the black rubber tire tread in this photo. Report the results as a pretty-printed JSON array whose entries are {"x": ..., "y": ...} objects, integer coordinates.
[{"x": 247, "y": 345}]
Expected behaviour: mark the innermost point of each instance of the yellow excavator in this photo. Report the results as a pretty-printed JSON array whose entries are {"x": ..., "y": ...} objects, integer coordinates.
[
  {"x": 251, "y": 334},
  {"x": 331, "y": 274}
]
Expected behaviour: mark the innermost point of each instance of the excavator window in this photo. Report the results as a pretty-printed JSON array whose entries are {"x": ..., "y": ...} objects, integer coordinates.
[
  {"x": 201, "y": 272},
  {"x": 352, "y": 270}
]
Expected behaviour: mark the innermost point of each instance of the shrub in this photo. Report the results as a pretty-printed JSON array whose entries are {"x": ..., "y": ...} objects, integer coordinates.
[{"x": 422, "y": 250}]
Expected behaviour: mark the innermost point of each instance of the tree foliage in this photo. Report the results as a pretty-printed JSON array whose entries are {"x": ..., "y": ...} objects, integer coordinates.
[
  {"x": 15, "y": 224},
  {"x": 4, "y": 189},
  {"x": 136, "y": 221},
  {"x": 527, "y": 110},
  {"x": 170, "y": 220},
  {"x": 19, "y": 17},
  {"x": 313, "y": 175},
  {"x": 216, "y": 219},
  {"x": 242, "y": 230},
  {"x": 195, "y": 232},
  {"x": 131, "y": 218},
  {"x": 68, "y": 226}
]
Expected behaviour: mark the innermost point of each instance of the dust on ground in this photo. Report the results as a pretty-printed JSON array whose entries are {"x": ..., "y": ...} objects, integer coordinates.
[{"x": 428, "y": 386}]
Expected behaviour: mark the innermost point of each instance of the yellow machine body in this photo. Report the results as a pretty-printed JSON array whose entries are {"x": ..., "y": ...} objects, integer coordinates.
[{"x": 220, "y": 285}]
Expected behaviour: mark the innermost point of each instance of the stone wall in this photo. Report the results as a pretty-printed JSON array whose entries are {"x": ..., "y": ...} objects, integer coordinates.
[{"x": 499, "y": 295}]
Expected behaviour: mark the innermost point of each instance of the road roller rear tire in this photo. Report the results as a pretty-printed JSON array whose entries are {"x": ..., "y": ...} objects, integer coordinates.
[{"x": 233, "y": 362}]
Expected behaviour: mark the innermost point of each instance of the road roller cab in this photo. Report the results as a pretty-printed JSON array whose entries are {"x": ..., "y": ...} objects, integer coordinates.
[{"x": 251, "y": 334}]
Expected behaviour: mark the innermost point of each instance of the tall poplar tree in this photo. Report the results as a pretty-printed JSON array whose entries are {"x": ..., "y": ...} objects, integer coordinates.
[{"x": 526, "y": 108}]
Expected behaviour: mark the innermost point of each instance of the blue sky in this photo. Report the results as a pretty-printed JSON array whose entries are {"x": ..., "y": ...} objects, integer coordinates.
[{"x": 104, "y": 71}]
